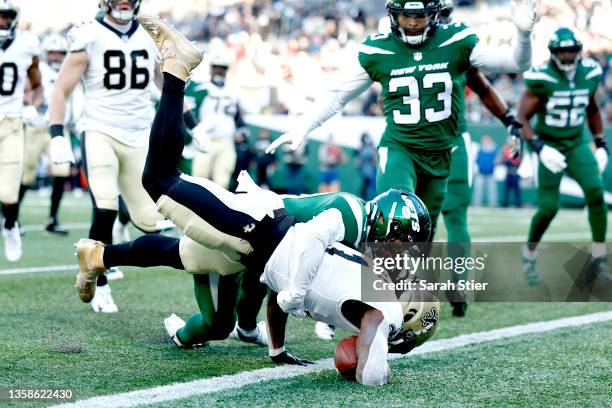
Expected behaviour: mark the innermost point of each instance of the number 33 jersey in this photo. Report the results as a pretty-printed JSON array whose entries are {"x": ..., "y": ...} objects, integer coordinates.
[
  {"x": 15, "y": 60},
  {"x": 422, "y": 87},
  {"x": 560, "y": 118},
  {"x": 120, "y": 69}
]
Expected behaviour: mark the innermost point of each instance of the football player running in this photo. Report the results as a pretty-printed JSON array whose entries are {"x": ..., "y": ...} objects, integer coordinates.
[
  {"x": 19, "y": 58},
  {"x": 116, "y": 60},
  {"x": 37, "y": 137},
  {"x": 561, "y": 94},
  {"x": 218, "y": 111},
  {"x": 421, "y": 66},
  {"x": 458, "y": 191}
]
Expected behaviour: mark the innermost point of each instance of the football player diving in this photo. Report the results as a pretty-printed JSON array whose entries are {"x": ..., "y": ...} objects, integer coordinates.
[
  {"x": 19, "y": 60},
  {"x": 459, "y": 189},
  {"x": 252, "y": 223},
  {"x": 421, "y": 66},
  {"x": 561, "y": 94}
]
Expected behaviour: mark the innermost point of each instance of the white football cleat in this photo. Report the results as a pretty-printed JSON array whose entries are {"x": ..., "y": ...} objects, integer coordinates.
[
  {"x": 12, "y": 243},
  {"x": 114, "y": 273},
  {"x": 121, "y": 233},
  {"x": 102, "y": 301},
  {"x": 260, "y": 337},
  {"x": 324, "y": 331},
  {"x": 530, "y": 271},
  {"x": 172, "y": 324}
]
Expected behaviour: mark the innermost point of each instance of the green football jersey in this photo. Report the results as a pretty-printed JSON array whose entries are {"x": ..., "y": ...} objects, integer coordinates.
[
  {"x": 195, "y": 93},
  {"x": 422, "y": 87},
  {"x": 352, "y": 208},
  {"x": 560, "y": 120}
]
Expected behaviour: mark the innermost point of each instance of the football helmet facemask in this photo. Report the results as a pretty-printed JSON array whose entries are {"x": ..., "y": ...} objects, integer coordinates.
[
  {"x": 565, "y": 49},
  {"x": 113, "y": 8},
  {"x": 397, "y": 215},
  {"x": 422, "y": 18},
  {"x": 446, "y": 11},
  {"x": 10, "y": 10},
  {"x": 219, "y": 66}
]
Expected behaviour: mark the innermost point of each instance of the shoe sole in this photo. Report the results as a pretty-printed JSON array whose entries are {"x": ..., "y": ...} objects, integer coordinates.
[{"x": 86, "y": 290}]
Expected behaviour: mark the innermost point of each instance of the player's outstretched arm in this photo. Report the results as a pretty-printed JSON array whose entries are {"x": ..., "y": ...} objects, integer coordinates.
[
  {"x": 372, "y": 349},
  {"x": 493, "y": 101},
  {"x": 596, "y": 128},
  {"x": 277, "y": 321},
  {"x": 510, "y": 59},
  {"x": 325, "y": 106}
]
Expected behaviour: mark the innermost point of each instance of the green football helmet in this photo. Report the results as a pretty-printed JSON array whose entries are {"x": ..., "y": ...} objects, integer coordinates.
[
  {"x": 397, "y": 215},
  {"x": 446, "y": 11},
  {"x": 428, "y": 9},
  {"x": 565, "y": 49}
]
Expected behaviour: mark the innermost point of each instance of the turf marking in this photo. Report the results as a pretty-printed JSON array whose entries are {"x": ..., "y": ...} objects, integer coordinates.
[{"x": 178, "y": 391}]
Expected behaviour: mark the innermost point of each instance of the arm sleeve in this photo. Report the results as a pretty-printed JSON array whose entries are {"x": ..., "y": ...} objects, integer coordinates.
[
  {"x": 335, "y": 98},
  {"x": 315, "y": 237},
  {"x": 503, "y": 59},
  {"x": 376, "y": 369}
]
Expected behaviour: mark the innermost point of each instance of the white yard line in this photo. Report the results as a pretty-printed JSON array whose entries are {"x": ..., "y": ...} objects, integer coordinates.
[
  {"x": 178, "y": 391},
  {"x": 39, "y": 269},
  {"x": 69, "y": 226}
]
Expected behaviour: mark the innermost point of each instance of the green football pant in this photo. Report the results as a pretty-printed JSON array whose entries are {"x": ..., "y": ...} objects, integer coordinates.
[
  {"x": 457, "y": 200},
  {"x": 216, "y": 296},
  {"x": 582, "y": 167},
  {"x": 397, "y": 168}
]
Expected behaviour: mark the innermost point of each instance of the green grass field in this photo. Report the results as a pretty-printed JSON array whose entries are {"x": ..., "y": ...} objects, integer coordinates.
[{"x": 50, "y": 339}]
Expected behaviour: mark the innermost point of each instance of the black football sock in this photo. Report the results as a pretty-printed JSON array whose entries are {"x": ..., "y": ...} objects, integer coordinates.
[
  {"x": 145, "y": 251},
  {"x": 56, "y": 197}
]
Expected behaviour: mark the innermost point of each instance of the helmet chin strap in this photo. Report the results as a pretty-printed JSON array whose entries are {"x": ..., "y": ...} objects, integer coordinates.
[
  {"x": 568, "y": 69},
  {"x": 414, "y": 39},
  {"x": 124, "y": 16}
]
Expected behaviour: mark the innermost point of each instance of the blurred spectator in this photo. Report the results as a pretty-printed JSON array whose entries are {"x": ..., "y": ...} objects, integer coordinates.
[
  {"x": 367, "y": 167},
  {"x": 244, "y": 157},
  {"x": 295, "y": 161},
  {"x": 264, "y": 162},
  {"x": 512, "y": 183},
  {"x": 484, "y": 182},
  {"x": 330, "y": 156}
]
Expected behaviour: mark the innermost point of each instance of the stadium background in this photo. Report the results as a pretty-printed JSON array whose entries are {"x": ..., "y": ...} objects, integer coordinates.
[{"x": 284, "y": 53}]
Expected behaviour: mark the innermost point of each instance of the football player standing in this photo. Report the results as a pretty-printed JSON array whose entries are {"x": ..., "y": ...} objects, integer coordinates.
[
  {"x": 561, "y": 94},
  {"x": 116, "y": 59},
  {"x": 220, "y": 116},
  {"x": 37, "y": 136},
  {"x": 421, "y": 66},
  {"x": 19, "y": 58}
]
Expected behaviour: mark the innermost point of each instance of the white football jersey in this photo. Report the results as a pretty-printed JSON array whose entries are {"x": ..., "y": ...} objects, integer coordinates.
[
  {"x": 48, "y": 77},
  {"x": 15, "y": 60},
  {"x": 120, "y": 68},
  {"x": 337, "y": 280},
  {"x": 218, "y": 110}
]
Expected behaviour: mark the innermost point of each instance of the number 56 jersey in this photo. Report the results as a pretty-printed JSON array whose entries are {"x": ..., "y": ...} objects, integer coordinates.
[
  {"x": 120, "y": 68},
  {"x": 561, "y": 116}
]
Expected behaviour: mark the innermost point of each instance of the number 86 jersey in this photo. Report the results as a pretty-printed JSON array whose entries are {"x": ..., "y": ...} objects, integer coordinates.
[{"x": 120, "y": 68}]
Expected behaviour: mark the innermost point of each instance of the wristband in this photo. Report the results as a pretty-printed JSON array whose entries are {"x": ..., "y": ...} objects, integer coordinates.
[
  {"x": 536, "y": 145},
  {"x": 508, "y": 118},
  {"x": 273, "y": 352},
  {"x": 601, "y": 143},
  {"x": 190, "y": 120},
  {"x": 56, "y": 130}
]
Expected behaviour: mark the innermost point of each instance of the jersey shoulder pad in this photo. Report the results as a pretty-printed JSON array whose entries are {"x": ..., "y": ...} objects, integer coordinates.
[
  {"x": 31, "y": 42},
  {"x": 456, "y": 35},
  {"x": 81, "y": 35},
  {"x": 376, "y": 44},
  {"x": 538, "y": 79},
  {"x": 592, "y": 68}
]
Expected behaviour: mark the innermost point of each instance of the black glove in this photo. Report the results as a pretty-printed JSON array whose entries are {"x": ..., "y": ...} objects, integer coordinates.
[
  {"x": 513, "y": 126},
  {"x": 600, "y": 142},
  {"x": 287, "y": 358}
]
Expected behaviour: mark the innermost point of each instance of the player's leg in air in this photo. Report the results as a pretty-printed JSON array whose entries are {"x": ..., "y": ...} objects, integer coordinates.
[{"x": 217, "y": 302}]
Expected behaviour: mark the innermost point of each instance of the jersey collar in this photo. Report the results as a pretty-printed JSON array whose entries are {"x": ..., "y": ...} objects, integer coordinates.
[
  {"x": 128, "y": 34},
  {"x": 7, "y": 43}
]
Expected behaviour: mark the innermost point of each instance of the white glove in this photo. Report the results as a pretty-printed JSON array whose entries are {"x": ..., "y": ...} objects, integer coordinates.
[
  {"x": 296, "y": 139},
  {"x": 289, "y": 304},
  {"x": 31, "y": 117},
  {"x": 524, "y": 15},
  {"x": 61, "y": 150},
  {"x": 552, "y": 159},
  {"x": 601, "y": 155},
  {"x": 201, "y": 139}
]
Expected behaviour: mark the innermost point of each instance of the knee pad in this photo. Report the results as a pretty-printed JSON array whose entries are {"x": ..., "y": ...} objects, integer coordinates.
[{"x": 221, "y": 328}]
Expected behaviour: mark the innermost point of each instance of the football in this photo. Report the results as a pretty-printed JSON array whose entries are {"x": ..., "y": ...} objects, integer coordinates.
[{"x": 345, "y": 358}]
